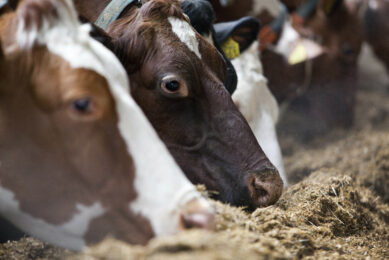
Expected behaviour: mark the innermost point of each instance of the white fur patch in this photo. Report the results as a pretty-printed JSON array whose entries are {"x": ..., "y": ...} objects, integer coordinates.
[
  {"x": 161, "y": 186},
  {"x": 65, "y": 24},
  {"x": 372, "y": 70},
  {"x": 69, "y": 235},
  {"x": 272, "y": 6},
  {"x": 288, "y": 38},
  {"x": 186, "y": 34},
  {"x": 258, "y": 105},
  {"x": 373, "y": 4}
]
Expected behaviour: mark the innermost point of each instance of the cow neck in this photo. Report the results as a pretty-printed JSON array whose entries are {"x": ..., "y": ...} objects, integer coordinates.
[{"x": 113, "y": 11}]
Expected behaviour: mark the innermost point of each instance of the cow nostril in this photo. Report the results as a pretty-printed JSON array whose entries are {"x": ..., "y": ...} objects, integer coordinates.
[
  {"x": 261, "y": 192},
  {"x": 265, "y": 187},
  {"x": 197, "y": 215}
]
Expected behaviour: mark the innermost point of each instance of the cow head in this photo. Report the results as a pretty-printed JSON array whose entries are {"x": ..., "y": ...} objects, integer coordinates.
[
  {"x": 328, "y": 82},
  {"x": 79, "y": 160},
  {"x": 325, "y": 86},
  {"x": 177, "y": 78},
  {"x": 331, "y": 94}
]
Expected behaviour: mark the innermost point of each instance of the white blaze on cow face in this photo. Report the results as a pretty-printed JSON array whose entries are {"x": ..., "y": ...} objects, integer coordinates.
[
  {"x": 69, "y": 235},
  {"x": 161, "y": 186},
  {"x": 186, "y": 34}
]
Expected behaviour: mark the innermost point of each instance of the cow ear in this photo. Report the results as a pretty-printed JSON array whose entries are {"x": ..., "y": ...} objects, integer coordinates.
[
  {"x": 37, "y": 17},
  {"x": 101, "y": 36},
  {"x": 243, "y": 31},
  {"x": 245, "y": 35},
  {"x": 200, "y": 13},
  {"x": 97, "y": 33}
]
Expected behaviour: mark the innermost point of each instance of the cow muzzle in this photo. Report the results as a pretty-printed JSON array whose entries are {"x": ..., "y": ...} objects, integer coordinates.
[
  {"x": 265, "y": 187},
  {"x": 197, "y": 214}
]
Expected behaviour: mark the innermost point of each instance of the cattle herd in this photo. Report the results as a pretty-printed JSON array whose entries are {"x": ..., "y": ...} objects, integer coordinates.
[{"x": 112, "y": 111}]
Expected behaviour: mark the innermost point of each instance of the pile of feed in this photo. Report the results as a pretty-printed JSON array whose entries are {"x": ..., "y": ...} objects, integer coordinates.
[
  {"x": 326, "y": 215},
  {"x": 337, "y": 211},
  {"x": 337, "y": 205}
]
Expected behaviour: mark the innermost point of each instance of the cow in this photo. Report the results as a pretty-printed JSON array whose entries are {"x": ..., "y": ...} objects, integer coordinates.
[
  {"x": 79, "y": 159},
  {"x": 258, "y": 105},
  {"x": 252, "y": 96},
  {"x": 177, "y": 78},
  {"x": 376, "y": 27},
  {"x": 322, "y": 89}
]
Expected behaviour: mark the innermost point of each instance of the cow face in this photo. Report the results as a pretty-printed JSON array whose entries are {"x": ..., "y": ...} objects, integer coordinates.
[
  {"x": 177, "y": 79},
  {"x": 79, "y": 161}
]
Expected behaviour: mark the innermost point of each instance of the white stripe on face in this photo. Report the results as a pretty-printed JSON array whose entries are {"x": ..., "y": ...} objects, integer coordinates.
[
  {"x": 161, "y": 186},
  {"x": 69, "y": 235},
  {"x": 186, "y": 34}
]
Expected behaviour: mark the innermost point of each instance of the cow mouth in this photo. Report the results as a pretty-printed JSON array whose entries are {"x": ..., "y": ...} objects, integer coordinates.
[{"x": 265, "y": 187}]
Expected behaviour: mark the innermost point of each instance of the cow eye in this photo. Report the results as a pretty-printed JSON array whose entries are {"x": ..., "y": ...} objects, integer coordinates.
[
  {"x": 82, "y": 105},
  {"x": 348, "y": 49},
  {"x": 174, "y": 87},
  {"x": 86, "y": 108}
]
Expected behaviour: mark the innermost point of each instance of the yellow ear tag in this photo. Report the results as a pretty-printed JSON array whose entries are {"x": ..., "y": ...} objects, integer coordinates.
[
  {"x": 231, "y": 48},
  {"x": 299, "y": 54}
]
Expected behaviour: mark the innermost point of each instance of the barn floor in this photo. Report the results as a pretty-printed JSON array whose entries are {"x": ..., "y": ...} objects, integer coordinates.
[{"x": 336, "y": 207}]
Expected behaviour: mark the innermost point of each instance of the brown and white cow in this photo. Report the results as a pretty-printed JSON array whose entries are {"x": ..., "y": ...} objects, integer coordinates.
[
  {"x": 177, "y": 79},
  {"x": 79, "y": 160}
]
